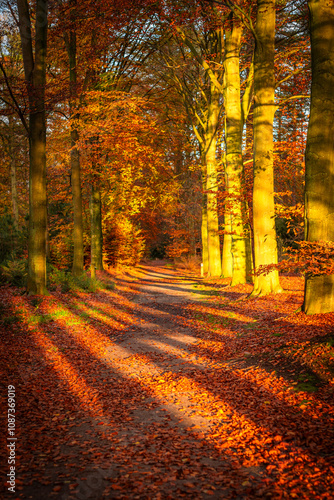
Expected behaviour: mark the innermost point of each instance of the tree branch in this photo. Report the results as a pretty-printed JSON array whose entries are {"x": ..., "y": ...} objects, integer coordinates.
[{"x": 16, "y": 104}]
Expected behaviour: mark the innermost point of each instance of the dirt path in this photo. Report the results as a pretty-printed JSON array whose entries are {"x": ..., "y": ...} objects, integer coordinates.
[
  {"x": 162, "y": 293},
  {"x": 123, "y": 395},
  {"x": 154, "y": 446},
  {"x": 154, "y": 451},
  {"x": 163, "y": 285}
]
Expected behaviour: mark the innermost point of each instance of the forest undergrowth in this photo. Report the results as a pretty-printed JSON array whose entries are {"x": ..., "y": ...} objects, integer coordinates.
[{"x": 168, "y": 386}]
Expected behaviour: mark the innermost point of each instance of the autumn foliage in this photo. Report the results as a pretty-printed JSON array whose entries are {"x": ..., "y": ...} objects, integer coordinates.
[
  {"x": 150, "y": 394},
  {"x": 166, "y": 249}
]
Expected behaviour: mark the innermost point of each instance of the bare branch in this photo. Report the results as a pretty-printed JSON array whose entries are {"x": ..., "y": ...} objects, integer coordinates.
[{"x": 16, "y": 104}]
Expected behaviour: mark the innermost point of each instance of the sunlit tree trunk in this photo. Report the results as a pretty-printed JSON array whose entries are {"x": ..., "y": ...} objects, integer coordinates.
[
  {"x": 227, "y": 260},
  {"x": 35, "y": 70},
  {"x": 96, "y": 228},
  {"x": 214, "y": 257},
  {"x": 319, "y": 158},
  {"x": 234, "y": 162},
  {"x": 265, "y": 245},
  {"x": 204, "y": 224}
]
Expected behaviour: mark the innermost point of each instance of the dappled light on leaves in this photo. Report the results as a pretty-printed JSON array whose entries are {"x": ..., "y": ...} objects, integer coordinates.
[{"x": 168, "y": 386}]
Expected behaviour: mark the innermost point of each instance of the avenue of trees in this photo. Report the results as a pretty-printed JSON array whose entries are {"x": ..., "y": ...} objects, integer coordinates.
[{"x": 169, "y": 128}]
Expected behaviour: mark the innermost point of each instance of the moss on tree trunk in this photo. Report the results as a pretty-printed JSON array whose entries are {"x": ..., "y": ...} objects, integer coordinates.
[{"x": 319, "y": 158}]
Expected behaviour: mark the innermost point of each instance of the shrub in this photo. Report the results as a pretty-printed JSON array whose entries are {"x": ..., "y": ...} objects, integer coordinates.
[
  {"x": 15, "y": 272},
  {"x": 57, "y": 277},
  {"x": 190, "y": 263},
  {"x": 70, "y": 283},
  {"x": 124, "y": 243},
  {"x": 11, "y": 238}
]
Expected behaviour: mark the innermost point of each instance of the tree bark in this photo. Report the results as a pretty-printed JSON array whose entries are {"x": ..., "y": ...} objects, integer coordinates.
[
  {"x": 265, "y": 245},
  {"x": 234, "y": 163},
  {"x": 214, "y": 256},
  {"x": 96, "y": 229},
  {"x": 204, "y": 224},
  {"x": 319, "y": 157},
  {"x": 13, "y": 181},
  {"x": 78, "y": 253},
  {"x": 227, "y": 260},
  {"x": 35, "y": 71}
]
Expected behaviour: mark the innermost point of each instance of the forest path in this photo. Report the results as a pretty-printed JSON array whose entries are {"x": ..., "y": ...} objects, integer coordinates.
[
  {"x": 138, "y": 430},
  {"x": 160, "y": 283},
  {"x": 160, "y": 334},
  {"x": 154, "y": 391}
]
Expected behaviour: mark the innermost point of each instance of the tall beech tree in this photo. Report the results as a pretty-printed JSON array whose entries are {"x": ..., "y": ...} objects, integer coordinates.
[
  {"x": 319, "y": 158},
  {"x": 34, "y": 59},
  {"x": 191, "y": 88},
  {"x": 221, "y": 69},
  {"x": 264, "y": 231},
  {"x": 210, "y": 146},
  {"x": 202, "y": 90},
  {"x": 75, "y": 27},
  {"x": 71, "y": 47},
  {"x": 96, "y": 228},
  {"x": 236, "y": 115}
]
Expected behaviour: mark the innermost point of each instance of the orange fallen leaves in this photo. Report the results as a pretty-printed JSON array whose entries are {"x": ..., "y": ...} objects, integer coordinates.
[{"x": 208, "y": 414}]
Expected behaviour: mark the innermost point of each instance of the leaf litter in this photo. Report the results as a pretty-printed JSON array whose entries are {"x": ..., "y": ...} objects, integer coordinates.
[{"x": 169, "y": 387}]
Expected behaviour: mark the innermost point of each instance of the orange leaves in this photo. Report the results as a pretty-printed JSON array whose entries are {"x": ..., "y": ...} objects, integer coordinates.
[
  {"x": 118, "y": 131},
  {"x": 314, "y": 258},
  {"x": 163, "y": 399}
]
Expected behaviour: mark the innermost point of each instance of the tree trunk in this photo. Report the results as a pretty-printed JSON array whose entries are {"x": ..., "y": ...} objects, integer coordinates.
[
  {"x": 37, "y": 205},
  {"x": 96, "y": 228},
  {"x": 13, "y": 181},
  {"x": 234, "y": 163},
  {"x": 319, "y": 158},
  {"x": 35, "y": 69},
  {"x": 15, "y": 205},
  {"x": 214, "y": 257},
  {"x": 204, "y": 226},
  {"x": 265, "y": 245},
  {"x": 204, "y": 234},
  {"x": 78, "y": 253},
  {"x": 227, "y": 260}
]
